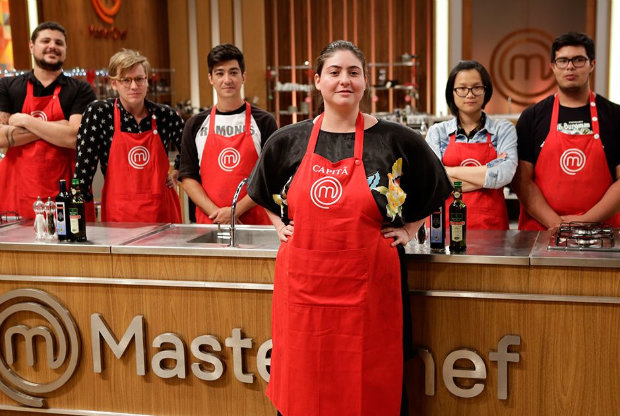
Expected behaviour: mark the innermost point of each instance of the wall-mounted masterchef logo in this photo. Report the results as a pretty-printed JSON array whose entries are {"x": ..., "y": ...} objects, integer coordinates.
[
  {"x": 106, "y": 10},
  {"x": 520, "y": 66}
]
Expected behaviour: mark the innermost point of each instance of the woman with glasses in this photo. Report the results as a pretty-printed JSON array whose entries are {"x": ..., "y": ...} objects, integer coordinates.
[
  {"x": 129, "y": 137},
  {"x": 478, "y": 151}
]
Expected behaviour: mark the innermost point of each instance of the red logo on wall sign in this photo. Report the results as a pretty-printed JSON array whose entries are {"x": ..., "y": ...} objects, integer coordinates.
[{"x": 104, "y": 12}]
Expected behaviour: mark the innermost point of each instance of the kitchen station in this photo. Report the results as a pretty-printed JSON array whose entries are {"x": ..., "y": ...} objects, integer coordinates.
[
  {"x": 309, "y": 208},
  {"x": 169, "y": 319}
]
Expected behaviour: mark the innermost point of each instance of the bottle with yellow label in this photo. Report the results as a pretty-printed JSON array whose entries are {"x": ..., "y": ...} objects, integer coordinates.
[{"x": 458, "y": 220}]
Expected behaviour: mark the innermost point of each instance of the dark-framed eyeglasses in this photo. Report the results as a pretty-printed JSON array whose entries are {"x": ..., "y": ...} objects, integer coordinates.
[
  {"x": 578, "y": 61},
  {"x": 126, "y": 82},
  {"x": 477, "y": 91}
]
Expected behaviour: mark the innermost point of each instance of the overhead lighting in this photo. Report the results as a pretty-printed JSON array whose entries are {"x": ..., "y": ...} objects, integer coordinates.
[{"x": 33, "y": 20}]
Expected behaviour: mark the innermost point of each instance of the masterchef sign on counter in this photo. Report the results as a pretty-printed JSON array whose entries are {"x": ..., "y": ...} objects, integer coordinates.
[{"x": 34, "y": 323}]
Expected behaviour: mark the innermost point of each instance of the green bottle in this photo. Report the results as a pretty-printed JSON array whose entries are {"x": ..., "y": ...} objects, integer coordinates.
[
  {"x": 77, "y": 213},
  {"x": 458, "y": 220}
]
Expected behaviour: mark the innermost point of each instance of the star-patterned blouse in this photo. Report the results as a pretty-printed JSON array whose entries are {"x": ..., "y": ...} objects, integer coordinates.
[{"x": 95, "y": 136}]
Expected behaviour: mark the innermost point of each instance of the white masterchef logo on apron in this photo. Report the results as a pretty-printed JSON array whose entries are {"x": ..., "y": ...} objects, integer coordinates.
[
  {"x": 325, "y": 191},
  {"x": 39, "y": 114},
  {"x": 572, "y": 161},
  {"x": 139, "y": 157},
  {"x": 229, "y": 159},
  {"x": 470, "y": 162}
]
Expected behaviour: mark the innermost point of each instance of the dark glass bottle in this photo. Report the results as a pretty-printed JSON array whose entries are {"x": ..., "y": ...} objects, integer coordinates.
[
  {"x": 63, "y": 200},
  {"x": 77, "y": 217},
  {"x": 438, "y": 229},
  {"x": 458, "y": 220}
]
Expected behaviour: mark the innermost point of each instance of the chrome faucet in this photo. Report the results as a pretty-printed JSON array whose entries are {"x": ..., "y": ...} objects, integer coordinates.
[{"x": 233, "y": 243}]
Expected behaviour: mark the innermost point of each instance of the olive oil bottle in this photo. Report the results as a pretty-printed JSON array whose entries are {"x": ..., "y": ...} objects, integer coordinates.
[{"x": 458, "y": 220}]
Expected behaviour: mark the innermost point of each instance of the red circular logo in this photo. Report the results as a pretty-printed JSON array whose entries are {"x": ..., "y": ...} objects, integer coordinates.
[
  {"x": 572, "y": 161},
  {"x": 39, "y": 114},
  {"x": 138, "y": 157},
  {"x": 229, "y": 159},
  {"x": 325, "y": 192},
  {"x": 104, "y": 12},
  {"x": 470, "y": 162}
]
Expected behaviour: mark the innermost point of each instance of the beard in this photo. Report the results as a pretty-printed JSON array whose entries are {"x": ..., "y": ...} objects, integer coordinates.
[
  {"x": 574, "y": 89},
  {"x": 47, "y": 66}
]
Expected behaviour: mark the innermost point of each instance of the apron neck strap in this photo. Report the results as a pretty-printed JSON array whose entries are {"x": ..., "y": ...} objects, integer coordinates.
[
  {"x": 117, "y": 116},
  {"x": 359, "y": 135},
  {"x": 593, "y": 112},
  {"x": 248, "y": 119}
]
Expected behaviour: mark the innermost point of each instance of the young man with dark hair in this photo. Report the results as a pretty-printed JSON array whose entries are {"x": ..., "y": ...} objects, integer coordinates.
[
  {"x": 569, "y": 147},
  {"x": 221, "y": 145},
  {"x": 40, "y": 113}
]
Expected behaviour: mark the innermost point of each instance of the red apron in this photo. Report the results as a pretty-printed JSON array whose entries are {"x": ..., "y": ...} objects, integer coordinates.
[
  {"x": 337, "y": 308},
  {"x": 225, "y": 162},
  {"x": 486, "y": 208},
  {"x": 135, "y": 188},
  {"x": 571, "y": 171},
  {"x": 34, "y": 169}
]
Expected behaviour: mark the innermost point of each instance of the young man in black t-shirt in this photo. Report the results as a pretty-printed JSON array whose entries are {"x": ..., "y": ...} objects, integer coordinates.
[
  {"x": 220, "y": 145},
  {"x": 569, "y": 148}
]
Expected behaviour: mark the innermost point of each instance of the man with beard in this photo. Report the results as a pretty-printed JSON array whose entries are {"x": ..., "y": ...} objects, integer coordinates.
[
  {"x": 569, "y": 146},
  {"x": 40, "y": 113}
]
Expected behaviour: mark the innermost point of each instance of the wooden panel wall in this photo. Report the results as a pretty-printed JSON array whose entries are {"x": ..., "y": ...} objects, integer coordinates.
[
  {"x": 384, "y": 30},
  {"x": 144, "y": 20},
  {"x": 253, "y": 30},
  {"x": 178, "y": 38},
  {"x": 19, "y": 33}
]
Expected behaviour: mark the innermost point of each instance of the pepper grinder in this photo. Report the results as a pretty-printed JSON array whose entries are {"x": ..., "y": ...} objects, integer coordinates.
[{"x": 50, "y": 218}]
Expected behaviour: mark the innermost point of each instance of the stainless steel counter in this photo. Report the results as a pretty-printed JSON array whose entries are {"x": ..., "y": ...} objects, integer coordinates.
[
  {"x": 484, "y": 247},
  {"x": 101, "y": 236}
]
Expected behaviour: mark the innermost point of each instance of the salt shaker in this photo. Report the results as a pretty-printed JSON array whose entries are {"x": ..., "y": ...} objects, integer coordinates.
[{"x": 39, "y": 219}]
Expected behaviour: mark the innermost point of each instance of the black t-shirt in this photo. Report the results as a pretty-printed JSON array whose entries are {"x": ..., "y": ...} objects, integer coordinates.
[
  {"x": 263, "y": 124},
  {"x": 74, "y": 94},
  {"x": 423, "y": 179},
  {"x": 533, "y": 127}
]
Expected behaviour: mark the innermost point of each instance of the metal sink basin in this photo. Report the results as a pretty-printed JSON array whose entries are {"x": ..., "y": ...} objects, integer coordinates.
[
  {"x": 244, "y": 237},
  {"x": 204, "y": 240}
]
